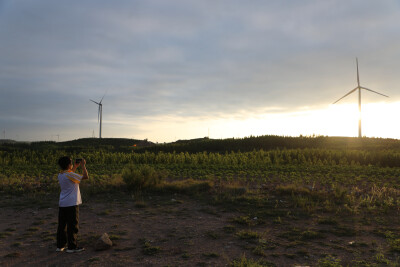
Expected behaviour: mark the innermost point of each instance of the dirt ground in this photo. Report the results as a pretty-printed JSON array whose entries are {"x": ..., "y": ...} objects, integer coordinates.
[
  {"x": 159, "y": 231},
  {"x": 175, "y": 230}
]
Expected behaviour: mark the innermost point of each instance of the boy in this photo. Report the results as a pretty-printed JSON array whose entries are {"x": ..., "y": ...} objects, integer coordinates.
[{"x": 70, "y": 199}]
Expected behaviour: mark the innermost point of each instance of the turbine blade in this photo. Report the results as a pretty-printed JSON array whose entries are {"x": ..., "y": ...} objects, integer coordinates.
[
  {"x": 98, "y": 115},
  {"x": 103, "y": 96},
  {"x": 94, "y": 102},
  {"x": 358, "y": 75},
  {"x": 373, "y": 91},
  {"x": 345, "y": 95}
]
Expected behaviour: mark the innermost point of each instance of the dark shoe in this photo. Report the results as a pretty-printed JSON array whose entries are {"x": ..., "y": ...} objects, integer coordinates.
[{"x": 78, "y": 249}]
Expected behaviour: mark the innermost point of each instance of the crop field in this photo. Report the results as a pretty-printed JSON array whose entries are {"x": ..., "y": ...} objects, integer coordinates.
[{"x": 313, "y": 201}]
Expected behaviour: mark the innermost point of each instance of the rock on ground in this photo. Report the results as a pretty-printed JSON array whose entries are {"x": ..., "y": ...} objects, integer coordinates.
[{"x": 103, "y": 242}]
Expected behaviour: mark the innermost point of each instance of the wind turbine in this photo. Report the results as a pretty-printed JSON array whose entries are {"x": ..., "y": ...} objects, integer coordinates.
[
  {"x": 359, "y": 87},
  {"x": 100, "y": 112}
]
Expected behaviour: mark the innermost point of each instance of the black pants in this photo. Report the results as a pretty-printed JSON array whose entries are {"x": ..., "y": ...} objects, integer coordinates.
[{"x": 68, "y": 226}]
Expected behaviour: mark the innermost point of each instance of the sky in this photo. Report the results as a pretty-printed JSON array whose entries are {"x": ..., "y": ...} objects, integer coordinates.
[{"x": 183, "y": 69}]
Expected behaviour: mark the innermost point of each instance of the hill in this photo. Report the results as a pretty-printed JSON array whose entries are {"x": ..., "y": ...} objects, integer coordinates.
[
  {"x": 83, "y": 144},
  {"x": 7, "y": 141},
  {"x": 267, "y": 142}
]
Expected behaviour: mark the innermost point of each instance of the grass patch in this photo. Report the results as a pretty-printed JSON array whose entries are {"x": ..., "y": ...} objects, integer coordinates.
[
  {"x": 309, "y": 234},
  {"x": 243, "y": 220},
  {"x": 139, "y": 177},
  {"x": 266, "y": 244},
  {"x": 395, "y": 245},
  {"x": 329, "y": 261},
  {"x": 188, "y": 187},
  {"x": 245, "y": 262},
  {"x": 149, "y": 249},
  {"x": 248, "y": 235},
  {"x": 229, "y": 229},
  {"x": 259, "y": 250}
]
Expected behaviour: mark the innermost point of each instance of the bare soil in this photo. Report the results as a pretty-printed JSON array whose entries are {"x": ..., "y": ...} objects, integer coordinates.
[{"x": 178, "y": 230}]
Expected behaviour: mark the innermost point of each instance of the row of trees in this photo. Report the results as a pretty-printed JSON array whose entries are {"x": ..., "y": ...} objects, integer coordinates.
[{"x": 382, "y": 158}]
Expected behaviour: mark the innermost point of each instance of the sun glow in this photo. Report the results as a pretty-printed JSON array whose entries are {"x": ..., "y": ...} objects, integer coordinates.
[{"x": 334, "y": 120}]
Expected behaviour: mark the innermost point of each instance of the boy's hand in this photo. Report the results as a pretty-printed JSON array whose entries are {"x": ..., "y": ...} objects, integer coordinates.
[
  {"x": 76, "y": 165},
  {"x": 83, "y": 163}
]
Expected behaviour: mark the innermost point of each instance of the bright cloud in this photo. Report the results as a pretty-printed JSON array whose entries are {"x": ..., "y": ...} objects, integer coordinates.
[{"x": 177, "y": 68}]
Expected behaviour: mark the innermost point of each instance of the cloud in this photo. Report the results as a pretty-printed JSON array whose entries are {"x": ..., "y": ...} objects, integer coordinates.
[{"x": 189, "y": 59}]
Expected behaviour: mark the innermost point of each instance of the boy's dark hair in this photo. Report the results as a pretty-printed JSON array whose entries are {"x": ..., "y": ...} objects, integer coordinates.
[{"x": 64, "y": 162}]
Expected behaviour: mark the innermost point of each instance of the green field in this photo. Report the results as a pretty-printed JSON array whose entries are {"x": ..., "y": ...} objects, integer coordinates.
[{"x": 330, "y": 181}]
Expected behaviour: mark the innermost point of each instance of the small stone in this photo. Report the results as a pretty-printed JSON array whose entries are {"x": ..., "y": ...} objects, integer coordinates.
[{"x": 103, "y": 242}]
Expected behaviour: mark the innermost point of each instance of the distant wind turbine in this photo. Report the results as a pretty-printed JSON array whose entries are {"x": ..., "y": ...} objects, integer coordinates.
[
  {"x": 58, "y": 137},
  {"x": 100, "y": 112},
  {"x": 359, "y": 87}
]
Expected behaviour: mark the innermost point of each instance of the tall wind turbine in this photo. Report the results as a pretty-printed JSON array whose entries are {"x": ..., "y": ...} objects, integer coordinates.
[
  {"x": 100, "y": 112},
  {"x": 359, "y": 87}
]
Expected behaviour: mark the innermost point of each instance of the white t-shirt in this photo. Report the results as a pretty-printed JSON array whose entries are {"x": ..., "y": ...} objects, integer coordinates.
[{"x": 70, "y": 194}]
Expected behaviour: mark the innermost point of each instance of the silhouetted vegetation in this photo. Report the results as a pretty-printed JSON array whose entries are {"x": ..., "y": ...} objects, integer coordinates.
[{"x": 271, "y": 142}]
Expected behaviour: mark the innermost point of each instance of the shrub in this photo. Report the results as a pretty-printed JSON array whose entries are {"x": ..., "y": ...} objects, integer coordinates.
[
  {"x": 188, "y": 187},
  {"x": 329, "y": 261},
  {"x": 138, "y": 177},
  {"x": 247, "y": 235},
  {"x": 395, "y": 245},
  {"x": 244, "y": 262}
]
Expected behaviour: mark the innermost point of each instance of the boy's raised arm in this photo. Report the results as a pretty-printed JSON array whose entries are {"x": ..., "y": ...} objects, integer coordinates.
[{"x": 85, "y": 174}]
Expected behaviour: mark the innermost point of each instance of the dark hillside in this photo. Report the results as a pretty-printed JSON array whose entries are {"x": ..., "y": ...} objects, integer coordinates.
[
  {"x": 83, "y": 144},
  {"x": 247, "y": 144},
  {"x": 115, "y": 142},
  {"x": 271, "y": 142}
]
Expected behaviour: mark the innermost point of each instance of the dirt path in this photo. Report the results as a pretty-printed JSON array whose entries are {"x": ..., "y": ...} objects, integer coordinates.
[
  {"x": 177, "y": 230},
  {"x": 160, "y": 231}
]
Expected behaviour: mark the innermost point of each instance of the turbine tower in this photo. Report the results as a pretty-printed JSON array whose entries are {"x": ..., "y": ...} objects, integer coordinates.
[
  {"x": 359, "y": 87},
  {"x": 100, "y": 112}
]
